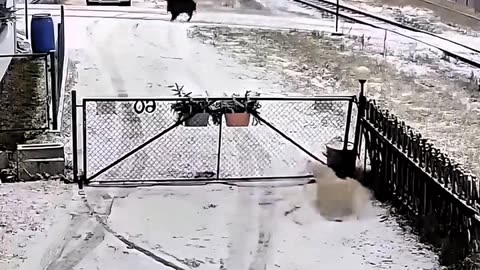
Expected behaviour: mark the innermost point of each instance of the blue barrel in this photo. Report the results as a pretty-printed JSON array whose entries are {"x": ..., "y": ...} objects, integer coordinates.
[{"x": 43, "y": 35}]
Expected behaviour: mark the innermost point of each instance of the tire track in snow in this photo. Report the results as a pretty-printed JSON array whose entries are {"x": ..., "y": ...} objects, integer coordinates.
[
  {"x": 130, "y": 130},
  {"x": 237, "y": 249},
  {"x": 59, "y": 260},
  {"x": 76, "y": 255},
  {"x": 264, "y": 158},
  {"x": 179, "y": 45},
  {"x": 128, "y": 243},
  {"x": 107, "y": 59},
  {"x": 265, "y": 231}
]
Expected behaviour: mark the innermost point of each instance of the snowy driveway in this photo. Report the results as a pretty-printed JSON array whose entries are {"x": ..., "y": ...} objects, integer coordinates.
[
  {"x": 206, "y": 226},
  {"x": 144, "y": 58},
  {"x": 238, "y": 228}
]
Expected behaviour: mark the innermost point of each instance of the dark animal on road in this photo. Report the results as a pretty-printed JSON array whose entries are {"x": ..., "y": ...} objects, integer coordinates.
[{"x": 177, "y": 7}]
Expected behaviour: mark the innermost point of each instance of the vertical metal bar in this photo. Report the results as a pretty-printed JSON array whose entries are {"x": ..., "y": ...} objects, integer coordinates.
[
  {"x": 361, "y": 108},
  {"x": 26, "y": 19},
  {"x": 62, "y": 14},
  {"x": 219, "y": 152},
  {"x": 365, "y": 158},
  {"x": 61, "y": 42},
  {"x": 84, "y": 137},
  {"x": 75, "y": 140},
  {"x": 47, "y": 88},
  {"x": 336, "y": 17},
  {"x": 16, "y": 169},
  {"x": 347, "y": 127},
  {"x": 53, "y": 74},
  {"x": 14, "y": 27},
  {"x": 59, "y": 64}
]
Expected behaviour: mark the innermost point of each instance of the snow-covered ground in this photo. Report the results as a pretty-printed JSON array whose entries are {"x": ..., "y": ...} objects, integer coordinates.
[
  {"x": 32, "y": 218},
  {"x": 425, "y": 19},
  {"x": 137, "y": 52},
  {"x": 248, "y": 227}
]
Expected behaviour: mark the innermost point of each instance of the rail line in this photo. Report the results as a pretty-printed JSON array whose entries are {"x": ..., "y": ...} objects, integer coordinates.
[
  {"x": 452, "y": 10},
  {"x": 462, "y": 52}
]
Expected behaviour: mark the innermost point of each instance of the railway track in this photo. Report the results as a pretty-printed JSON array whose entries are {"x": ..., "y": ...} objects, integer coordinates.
[{"x": 449, "y": 47}]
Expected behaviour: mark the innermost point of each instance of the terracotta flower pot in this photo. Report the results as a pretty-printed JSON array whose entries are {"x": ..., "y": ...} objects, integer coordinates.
[
  {"x": 198, "y": 120},
  {"x": 237, "y": 119}
]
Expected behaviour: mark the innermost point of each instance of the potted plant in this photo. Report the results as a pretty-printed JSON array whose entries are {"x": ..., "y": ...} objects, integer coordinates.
[
  {"x": 237, "y": 111},
  {"x": 217, "y": 113},
  {"x": 185, "y": 108}
]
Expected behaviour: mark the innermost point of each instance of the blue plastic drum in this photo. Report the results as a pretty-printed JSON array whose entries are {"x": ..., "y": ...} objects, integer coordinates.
[{"x": 43, "y": 35}]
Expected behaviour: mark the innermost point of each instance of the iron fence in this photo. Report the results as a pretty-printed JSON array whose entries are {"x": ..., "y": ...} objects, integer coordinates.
[
  {"x": 127, "y": 139},
  {"x": 420, "y": 179}
]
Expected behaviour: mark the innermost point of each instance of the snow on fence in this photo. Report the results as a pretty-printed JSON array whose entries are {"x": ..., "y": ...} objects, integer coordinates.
[
  {"x": 418, "y": 178},
  {"x": 129, "y": 139}
]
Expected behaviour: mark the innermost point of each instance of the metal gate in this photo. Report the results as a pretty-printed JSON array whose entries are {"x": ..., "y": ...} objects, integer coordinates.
[{"x": 140, "y": 140}]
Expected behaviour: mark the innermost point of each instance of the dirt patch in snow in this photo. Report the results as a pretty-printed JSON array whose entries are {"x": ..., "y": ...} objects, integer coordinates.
[{"x": 418, "y": 87}]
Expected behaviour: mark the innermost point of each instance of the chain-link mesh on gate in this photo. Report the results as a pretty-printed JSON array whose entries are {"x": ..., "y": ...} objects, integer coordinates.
[{"x": 115, "y": 127}]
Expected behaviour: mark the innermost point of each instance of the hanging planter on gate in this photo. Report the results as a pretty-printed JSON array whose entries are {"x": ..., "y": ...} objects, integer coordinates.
[
  {"x": 241, "y": 119},
  {"x": 198, "y": 120},
  {"x": 237, "y": 111},
  {"x": 186, "y": 107}
]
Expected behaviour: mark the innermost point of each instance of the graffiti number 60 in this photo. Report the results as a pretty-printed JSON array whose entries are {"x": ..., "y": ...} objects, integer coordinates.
[{"x": 141, "y": 106}]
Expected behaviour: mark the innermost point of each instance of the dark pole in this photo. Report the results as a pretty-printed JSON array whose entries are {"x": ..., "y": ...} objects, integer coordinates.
[
  {"x": 361, "y": 108},
  {"x": 84, "y": 142},
  {"x": 26, "y": 19},
  {"x": 62, "y": 15},
  {"x": 347, "y": 126},
  {"x": 362, "y": 85},
  {"x": 219, "y": 151},
  {"x": 53, "y": 74},
  {"x": 336, "y": 17},
  {"x": 48, "y": 90},
  {"x": 75, "y": 140}
]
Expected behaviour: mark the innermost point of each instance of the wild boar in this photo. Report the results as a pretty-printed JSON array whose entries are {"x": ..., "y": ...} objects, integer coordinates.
[{"x": 177, "y": 7}]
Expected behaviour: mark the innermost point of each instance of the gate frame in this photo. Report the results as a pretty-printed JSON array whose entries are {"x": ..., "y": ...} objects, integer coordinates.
[{"x": 82, "y": 179}]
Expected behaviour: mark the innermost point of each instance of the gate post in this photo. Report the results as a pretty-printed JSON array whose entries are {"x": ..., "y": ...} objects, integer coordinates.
[
  {"x": 75, "y": 140},
  {"x": 362, "y": 74},
  {"x": 54, "y": 92},
  {"x": 343, "y": 160},
  {"x": 361, "y": 108}
]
